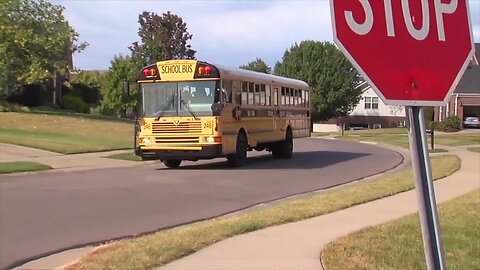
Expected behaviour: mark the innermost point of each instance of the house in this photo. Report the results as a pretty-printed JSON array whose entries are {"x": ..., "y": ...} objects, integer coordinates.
[
  {"x": 465, "y": 100},
  {"x": 371, "y": 112}
]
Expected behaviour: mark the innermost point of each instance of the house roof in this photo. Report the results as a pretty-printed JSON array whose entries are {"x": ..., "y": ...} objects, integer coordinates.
[
  {"x": 476, "y": 56},
  {"x": 470, "y": 81}
]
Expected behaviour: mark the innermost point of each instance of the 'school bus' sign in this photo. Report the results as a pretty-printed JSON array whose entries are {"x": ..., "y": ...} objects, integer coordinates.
[
  {"x": 172, "y": 71},
  {"x": 410, "y": 52}
]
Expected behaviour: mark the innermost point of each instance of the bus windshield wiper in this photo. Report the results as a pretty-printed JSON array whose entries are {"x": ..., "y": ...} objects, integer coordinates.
[
  {"x": 188, "y": 108},
  {"x": 164, "y": 109}
]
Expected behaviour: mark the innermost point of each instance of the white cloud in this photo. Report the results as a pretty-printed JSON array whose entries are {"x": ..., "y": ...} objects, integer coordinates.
[
  {"x": 226, "y": 32},
  {"x": 265, "y": 33}
]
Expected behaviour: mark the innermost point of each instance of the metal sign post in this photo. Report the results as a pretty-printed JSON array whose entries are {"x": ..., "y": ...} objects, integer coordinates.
[
  {"x": 434, "y": 57},
  {"x": 432, "y": 241}
]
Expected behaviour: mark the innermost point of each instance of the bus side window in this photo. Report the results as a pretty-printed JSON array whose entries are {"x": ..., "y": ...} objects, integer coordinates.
[
  {"x": 267, "y": 94},
  {"x": 256, "y": 97},
  {"x": 275, "y": 96},
  {"x": 303, "y": 98},
  {"x": 237, "y": 92},
  {"x": 227, "y": 91},
  {"x": 297, "y": 100},
  {"x": 262, "y": 95},
  {"x": 251, "y": 92},
  {"x": 244, "y": 93}
]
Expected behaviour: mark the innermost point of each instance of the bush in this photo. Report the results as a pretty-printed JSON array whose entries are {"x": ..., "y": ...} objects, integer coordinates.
[
  {"x": 30, "y": 95},
  {"x": 75, "y": 104},
  {"x": 451, "y": 124},
  {"x": 12, "y": 107},
  {"x": 436, "y": 125},
  {"x": 89, "y": 95}
]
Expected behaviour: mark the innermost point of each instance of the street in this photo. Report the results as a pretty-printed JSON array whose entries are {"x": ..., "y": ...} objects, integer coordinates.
[{"x": 44, "y": 213}]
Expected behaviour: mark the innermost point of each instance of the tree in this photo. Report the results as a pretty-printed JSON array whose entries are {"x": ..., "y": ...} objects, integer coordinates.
[
  {"x": 35, "y": 42},
  {"x": 162, "y": 37},
  {"x": 122, "y": 70},
  {"x": 257, "y": 65},
  {"x": 333, "y": 79},
  {"x": 89, "y": 86}
]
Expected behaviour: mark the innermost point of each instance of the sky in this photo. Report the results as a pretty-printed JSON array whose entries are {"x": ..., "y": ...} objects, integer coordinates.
[{"x": 229, "y": 32}]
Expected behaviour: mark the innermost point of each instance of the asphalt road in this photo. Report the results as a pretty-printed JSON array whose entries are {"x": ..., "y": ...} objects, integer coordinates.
[{"x": 45, "y": 213}]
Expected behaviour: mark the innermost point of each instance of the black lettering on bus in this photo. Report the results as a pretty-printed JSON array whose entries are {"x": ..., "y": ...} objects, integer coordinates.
[{"x": 176, "y": 69}]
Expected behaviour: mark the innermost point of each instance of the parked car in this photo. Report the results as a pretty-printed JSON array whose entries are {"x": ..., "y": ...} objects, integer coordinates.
[{"x": 473, "y": 122}]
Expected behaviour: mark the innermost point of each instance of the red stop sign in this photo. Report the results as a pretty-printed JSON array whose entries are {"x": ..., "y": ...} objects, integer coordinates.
[{"x": 411, "y": 52}]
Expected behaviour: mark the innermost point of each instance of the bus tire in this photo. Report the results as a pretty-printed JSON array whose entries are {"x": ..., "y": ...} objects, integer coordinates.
[
  {"x": 172, "y": 163},
  {"x": 284, "y": 149},
  {"x": 240, "y": 156}
]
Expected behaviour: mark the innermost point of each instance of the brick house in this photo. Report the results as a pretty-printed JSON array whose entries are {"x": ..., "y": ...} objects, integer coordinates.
[
  {"x": 371, "y": 112},
  {"x": 465, "y": 100}
]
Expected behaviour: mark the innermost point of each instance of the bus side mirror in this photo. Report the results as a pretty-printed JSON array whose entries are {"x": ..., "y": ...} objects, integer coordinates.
[
  {"x": 217, "y": 109},
  {"x": 126, "y": 88}
]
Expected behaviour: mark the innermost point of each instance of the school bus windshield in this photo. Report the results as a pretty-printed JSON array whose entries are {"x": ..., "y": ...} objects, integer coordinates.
[{"x": 179, "y": 98}]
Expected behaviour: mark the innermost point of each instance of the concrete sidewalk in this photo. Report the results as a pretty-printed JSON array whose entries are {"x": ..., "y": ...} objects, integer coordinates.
[
  {"x": 299, "y": 245},
  {"x": 75, "y": 162}
]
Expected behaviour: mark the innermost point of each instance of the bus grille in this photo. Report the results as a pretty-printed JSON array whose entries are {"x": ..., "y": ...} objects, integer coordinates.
[
  {"x": 173, "y": 140},
  {"x": 171, "y": 127}
]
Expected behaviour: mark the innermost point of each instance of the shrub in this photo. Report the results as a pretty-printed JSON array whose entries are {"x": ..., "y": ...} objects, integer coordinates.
[
  {"x": 90, "y": 95},
  {"x": 12, "y": 107},
  {"x": 451, "y": 124},
  {"x": 75, "y": 104},
  {"x": 436, "y": 125},
  {"x": 30, "y": 95}
]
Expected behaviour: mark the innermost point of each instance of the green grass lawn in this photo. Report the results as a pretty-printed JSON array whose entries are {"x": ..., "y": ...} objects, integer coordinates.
[
  {"x": 437, "y": 150},
  {"x": 167, "y": 245},
  {"x": 399, "y": 244},
  {"x": 457, "y": 139},
  {"x": 125, "y": 156},
  {"x": 399, "y": 137},
  {"x": 21, "y": 166},
  {"x": 64, "y": 134}
]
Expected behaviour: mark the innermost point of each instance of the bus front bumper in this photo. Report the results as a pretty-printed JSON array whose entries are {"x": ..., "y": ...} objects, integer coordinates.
[{"x": 180, "y": 152}]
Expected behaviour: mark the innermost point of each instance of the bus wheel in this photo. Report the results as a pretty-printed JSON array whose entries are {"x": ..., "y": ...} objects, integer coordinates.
[
  {"x": 240, "y": 157},
  {"x": 172, "y": 163},
  {"x": 284, "y": 149}
]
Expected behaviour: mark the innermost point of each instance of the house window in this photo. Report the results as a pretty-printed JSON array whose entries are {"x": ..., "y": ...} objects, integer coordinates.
[
  {"x": 371, "y": 103},
  {"x": 375, "y": 103}
]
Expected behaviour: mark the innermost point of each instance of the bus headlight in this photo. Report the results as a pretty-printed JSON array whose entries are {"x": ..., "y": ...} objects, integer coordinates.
[
  {"x": 212, "y": 139},
  {"x": 145, "y": 140}
]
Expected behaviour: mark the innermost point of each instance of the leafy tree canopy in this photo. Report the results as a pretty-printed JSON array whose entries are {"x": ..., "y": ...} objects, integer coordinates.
[
  {"x": 161, "y": 38},
  {"x": 90, "y": 78},
  {"x": 89, "y": 85},
  {"x": 331, "y": 76},
  {"x": 122, "y": 69},
  {"x": 35, "y": 41},
  {"x": 257, "y": 65}
]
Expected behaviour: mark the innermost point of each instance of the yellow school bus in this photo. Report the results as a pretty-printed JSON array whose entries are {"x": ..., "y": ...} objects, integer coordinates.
[{"x": 194, "y": 110}]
